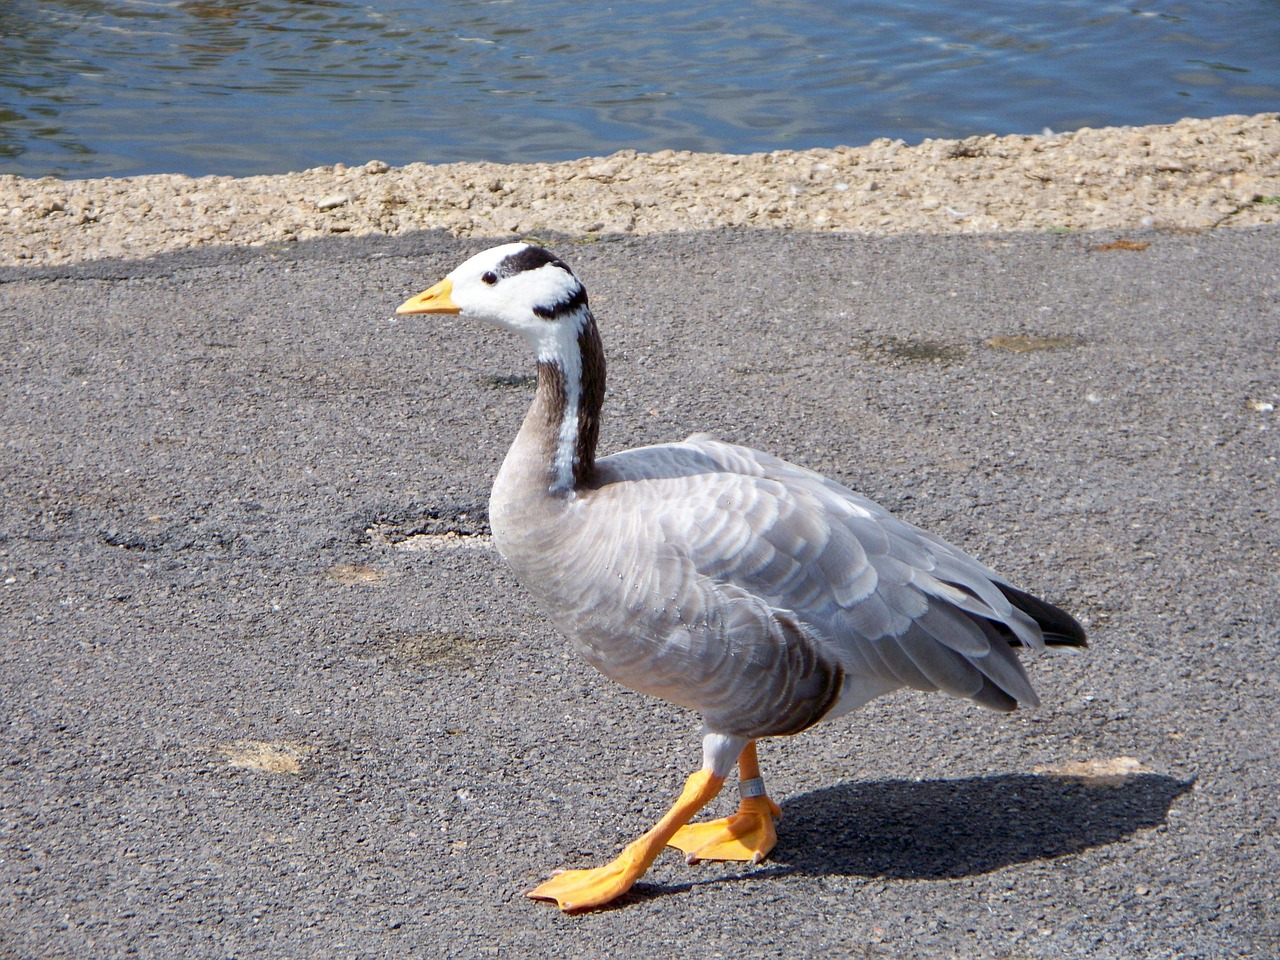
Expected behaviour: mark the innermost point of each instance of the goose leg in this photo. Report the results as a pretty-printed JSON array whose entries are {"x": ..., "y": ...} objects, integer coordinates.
[
  {"x": 585, "y": 889},
  {"x": 747, "y": 835}
]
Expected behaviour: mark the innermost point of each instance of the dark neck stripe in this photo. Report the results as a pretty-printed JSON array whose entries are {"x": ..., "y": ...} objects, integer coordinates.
[
  {"x": 553, "y": 401},
  {"x": 551, "y": 387},
  {"x": 590, "y": 400}
]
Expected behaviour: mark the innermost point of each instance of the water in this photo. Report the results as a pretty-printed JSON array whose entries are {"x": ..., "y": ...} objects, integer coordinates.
[{"x": 93, "y": 88}]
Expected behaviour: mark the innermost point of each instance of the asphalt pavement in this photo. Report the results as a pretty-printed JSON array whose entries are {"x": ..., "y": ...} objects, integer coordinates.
[{"x": 268, "y": 691}]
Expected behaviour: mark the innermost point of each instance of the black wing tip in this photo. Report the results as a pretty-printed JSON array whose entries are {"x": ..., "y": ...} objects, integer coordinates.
[
  {"x": 1060, "y": 629},
  {"x": 1076, "y": 641}
]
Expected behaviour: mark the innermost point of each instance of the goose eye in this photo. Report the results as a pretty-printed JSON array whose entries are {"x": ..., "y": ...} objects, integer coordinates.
[{"x": 489, "y": 277}]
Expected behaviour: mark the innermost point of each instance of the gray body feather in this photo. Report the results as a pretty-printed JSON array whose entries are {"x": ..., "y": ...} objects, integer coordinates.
[{"x": 757, "y": 592}]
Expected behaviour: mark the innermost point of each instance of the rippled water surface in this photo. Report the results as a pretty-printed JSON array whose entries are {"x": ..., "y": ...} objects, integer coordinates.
[{"x": 93, "y": 88}]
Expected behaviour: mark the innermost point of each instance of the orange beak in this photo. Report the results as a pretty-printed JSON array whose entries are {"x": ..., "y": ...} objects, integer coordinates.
[{"x": 435, "y": 300}]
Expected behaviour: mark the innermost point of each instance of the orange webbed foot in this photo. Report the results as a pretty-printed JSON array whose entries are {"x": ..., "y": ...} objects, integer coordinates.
[
  {"x": 573, "y": 890},
  {"x": 577, "y": 890},
  {"x": 746, "y": 836}
]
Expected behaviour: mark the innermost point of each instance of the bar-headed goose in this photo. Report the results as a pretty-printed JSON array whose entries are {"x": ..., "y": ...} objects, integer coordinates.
[{"x": 744, "y": 587}]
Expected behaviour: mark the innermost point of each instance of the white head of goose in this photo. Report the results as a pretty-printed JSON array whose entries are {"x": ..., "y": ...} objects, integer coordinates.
[{"x": 756, "y": 592}]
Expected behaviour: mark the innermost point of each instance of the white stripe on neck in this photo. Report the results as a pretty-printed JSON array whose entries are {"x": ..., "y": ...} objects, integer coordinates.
[{"x": 560, "y": 346}]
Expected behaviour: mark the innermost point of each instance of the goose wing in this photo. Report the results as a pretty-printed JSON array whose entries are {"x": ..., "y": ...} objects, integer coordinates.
[{"x": 725, "y": 527}]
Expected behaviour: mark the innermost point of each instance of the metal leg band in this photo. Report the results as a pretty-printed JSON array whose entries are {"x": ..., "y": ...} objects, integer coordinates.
[{"x": 751, "y": 788}]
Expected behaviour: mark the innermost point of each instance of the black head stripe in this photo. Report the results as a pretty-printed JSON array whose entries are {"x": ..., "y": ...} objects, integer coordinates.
[
  {"x": 530, "y": 258},
  {"x": 534, "y": 258},
  {"x": 576, "y": 299}
]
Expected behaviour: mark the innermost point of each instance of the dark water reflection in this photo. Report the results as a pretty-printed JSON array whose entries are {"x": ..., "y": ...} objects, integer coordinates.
[{"x": 116, "y": 87}]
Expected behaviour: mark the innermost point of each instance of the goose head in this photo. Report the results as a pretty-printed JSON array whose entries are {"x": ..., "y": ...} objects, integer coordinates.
[
  {"x": 518, "y": 286},
  {"x": 529, "y": 290}
]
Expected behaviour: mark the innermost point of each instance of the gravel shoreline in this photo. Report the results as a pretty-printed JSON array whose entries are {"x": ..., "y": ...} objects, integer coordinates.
[{"x": 1191, "y": 175}]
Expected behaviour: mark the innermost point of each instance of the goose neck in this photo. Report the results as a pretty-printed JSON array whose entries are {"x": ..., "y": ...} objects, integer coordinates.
[{"x": 554, "y": 453}]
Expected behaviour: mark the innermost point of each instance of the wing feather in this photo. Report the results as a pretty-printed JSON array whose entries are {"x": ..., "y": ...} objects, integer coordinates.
[
  {"x": 759, "y": 565},
  {"x": 946, "y": 669}
]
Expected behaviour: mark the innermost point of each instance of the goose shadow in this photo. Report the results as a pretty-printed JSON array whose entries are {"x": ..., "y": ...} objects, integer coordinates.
[{"x": 948, "y": 829}]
